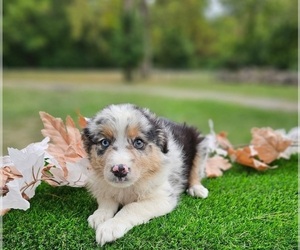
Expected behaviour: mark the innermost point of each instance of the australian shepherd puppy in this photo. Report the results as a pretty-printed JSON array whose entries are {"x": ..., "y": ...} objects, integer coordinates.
[{"x": 140, "y": 165}]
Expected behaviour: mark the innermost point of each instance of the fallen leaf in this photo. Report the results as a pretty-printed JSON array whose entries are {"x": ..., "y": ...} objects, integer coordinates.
[
  {"x": 268, "y": 143},
  {"x": 217, "y": 143},
  {"x": 294, "y": 136},
  {"x": 82, "y": 121},
  {"x": 23, "y": 171},
  {"x": 14, "y": 198},
  {"x": 77, "y": 174},
  {"x": 7, "y": 172},
  {"x": 223, "y": 140},
  {"x": 246, "y": 156},
  {"x": 66, "y": 155},
  {"x": 66, "y": 145},
  {"x": 216, "y": 165},
  {"x": 11, "y": 172},
  {"x": 30, "y": 166}
]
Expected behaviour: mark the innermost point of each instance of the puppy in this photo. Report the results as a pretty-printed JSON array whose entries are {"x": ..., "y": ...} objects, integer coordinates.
[{"x": 140, "y": 165}]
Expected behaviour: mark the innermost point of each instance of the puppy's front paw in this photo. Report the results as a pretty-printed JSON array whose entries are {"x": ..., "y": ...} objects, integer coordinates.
[
  {"x": 110, "y": 231},
  {"x": 198, "y": 191},
  {"x": 98, "y": 217}
]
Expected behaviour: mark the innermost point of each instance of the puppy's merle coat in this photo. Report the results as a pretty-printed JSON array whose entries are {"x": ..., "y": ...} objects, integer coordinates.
[{"x": 142, "y": 163}]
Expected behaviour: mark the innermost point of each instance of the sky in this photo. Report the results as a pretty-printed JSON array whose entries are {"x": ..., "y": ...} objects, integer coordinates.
[{"x": 215, "y": 9}]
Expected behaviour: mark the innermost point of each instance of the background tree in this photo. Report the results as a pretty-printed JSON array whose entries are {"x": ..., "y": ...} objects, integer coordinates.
[
  {"x": 93, "y": 25},
  {"x": 146, "y": 63},
  {"x": 128, "y": 42},
  {"x": 266, "y": 33},
  {"x": 137, "y": 33},
  {"x": 181, "y": 34}
]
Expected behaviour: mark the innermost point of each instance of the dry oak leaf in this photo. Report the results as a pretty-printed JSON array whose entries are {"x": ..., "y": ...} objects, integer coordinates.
[
  {"x": 223, "y": 140},
  {"x": 77, "y": 174},
  {"x": 82, "y": 121},
  {"x": 7, "y": 173},
  {"x": 216, "y": 165},
  {"x": 66, "y": 145},
  {"x": 246, "y": 156},
  {"x": 25, "y": 167},
  {"x": 294, "y": 136},
  {"x": 268, "y": 143}
]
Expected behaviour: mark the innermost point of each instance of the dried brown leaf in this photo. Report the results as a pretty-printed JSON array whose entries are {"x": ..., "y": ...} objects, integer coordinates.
[
  {"x": 223, "y": 140},
  {"x": 66, "y": 145},
  {"x": 268, "y": 143},
  {"x": 216, "y": 165},
  {"x": 82, "y": 121},
  {"x": 246, "y": 156},
  {"x": 7, "y": 174}
]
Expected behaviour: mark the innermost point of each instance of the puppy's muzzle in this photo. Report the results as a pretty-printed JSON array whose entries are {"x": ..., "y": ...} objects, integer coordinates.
[{"x": 120, "y": 170}]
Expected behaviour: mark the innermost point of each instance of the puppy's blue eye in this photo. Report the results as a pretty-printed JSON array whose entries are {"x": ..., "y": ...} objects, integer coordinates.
[
  {"x": 138, "y": 144},
  {"x": 105, "y": 143}
]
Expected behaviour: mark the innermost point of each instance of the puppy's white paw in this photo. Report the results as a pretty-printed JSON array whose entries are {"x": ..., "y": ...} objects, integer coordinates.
[
  {"x": 110, "y": 231},
  {"x": 98, "y": 217},
  {"x": 198, "y": 191}
]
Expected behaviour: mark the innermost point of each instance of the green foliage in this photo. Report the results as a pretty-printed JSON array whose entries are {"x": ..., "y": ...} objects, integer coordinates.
[
  {"x": 128, "y": 43},
  {"x": 265, "y": 33},
  {"x": 180, "y": 34},
  {"x": 47, "y": 38},
  {"x": 20, "y": 44},
  {"x": 175, "y": 51},
  {"x": 92, "y": 25},
  {"x": 80, "y": 33}
]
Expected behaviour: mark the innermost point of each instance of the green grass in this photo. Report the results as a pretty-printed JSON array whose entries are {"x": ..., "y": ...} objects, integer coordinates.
[
  {"x": 202, "y": 80},
  {"x": 245, "y": 209},
  {"x": 22, "y": 125},
  {"x": 209, "y": 81}
]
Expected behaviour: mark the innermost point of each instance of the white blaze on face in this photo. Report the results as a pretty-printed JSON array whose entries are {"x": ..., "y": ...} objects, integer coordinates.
[{"x": 126, "y": 128}]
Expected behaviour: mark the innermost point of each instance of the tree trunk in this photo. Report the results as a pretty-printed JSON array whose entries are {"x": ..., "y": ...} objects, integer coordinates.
[
  {"x": 146, "y": 62},
  {"x": 128, "y": 6},
  {"x": 128, "y": 75}
]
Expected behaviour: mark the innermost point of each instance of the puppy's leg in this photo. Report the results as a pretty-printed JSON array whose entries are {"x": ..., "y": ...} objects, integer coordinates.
[
  {"x": 197, "y": 171},
  {"x": 133, "y": 214},
  {"x": 106, "y": 210}
]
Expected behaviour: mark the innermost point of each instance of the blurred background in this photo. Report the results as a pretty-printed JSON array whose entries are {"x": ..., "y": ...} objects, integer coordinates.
[
  {"x": 131, "y": 34},
  {"x": 184, "y": 59}
]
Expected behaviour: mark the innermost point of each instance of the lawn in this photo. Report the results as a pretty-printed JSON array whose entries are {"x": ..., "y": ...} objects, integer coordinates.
[
  {"x": 245, "y": 209},
  {"x": 180, "y": 80}
]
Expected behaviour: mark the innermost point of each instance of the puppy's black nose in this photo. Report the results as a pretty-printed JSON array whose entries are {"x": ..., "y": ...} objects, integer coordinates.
[{"x": 120, "y": 170}]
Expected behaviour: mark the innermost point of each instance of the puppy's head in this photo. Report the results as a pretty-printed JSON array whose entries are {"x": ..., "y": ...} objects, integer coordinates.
[{"x": 125, "y": 144}]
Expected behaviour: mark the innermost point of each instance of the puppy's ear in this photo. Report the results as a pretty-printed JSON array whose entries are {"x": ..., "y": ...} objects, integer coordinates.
[
  {"x": 162, "y": 140},
  {"x": 86, "y": 139}
]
